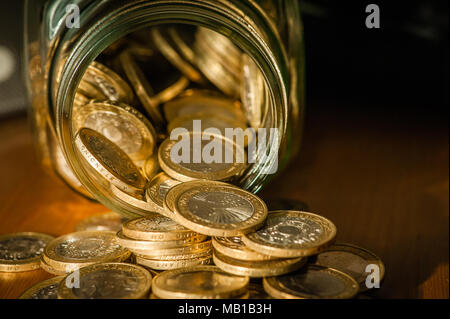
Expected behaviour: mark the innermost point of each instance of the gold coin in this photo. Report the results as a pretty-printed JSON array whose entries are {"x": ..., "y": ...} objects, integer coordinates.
[
  {"x": 234, "y": 247},
  {"x": 50, "y": 269},
  {"x": 174, "y": 58},
  {"x": 265, "y": 268},
  {"x": 141, "y": 86},
  {"x": 197, "y": 248},
  {"x": 109, "y": 82},
  {"x": 289, "y": 233},
  {"x": 135, "y": 201},
  {"x": 21, "y": 251},
  {"x": 200, "y": 282},
  {"x": 204, "y": 102},
  {"x": 110, "y": 161},
  {"x": 312, "y": 282},
  {"x": 219, "y": 210},
  {"x": 73, "y": 251},
  {"x": 190, "y": 256},
  {"x": 184, "y": 48},
  {"x": 109, "y": 221},
  {"x": 121, "y": 124},
  {"x": 90, "y": 90},
  {"x": 174, "y": 264},
  {"x": 158, "y": 189},
  {"x": 47, "y": 289},
  {"x": 109, "y": 281},
  {"x": 191, "y": 165},
  {"x": 172, "y": 91},
  {"x": 133, "y": 244},
  {"x": 155, "y": 227},
  {"x": 151, "y": 167},
  {"x": 352, "y": 260}
]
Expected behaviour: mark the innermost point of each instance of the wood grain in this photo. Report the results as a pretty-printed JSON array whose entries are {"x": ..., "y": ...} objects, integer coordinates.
[{"x": 382, "y": 180}]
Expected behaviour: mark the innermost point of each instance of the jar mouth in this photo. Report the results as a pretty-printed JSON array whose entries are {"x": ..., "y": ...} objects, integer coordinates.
[{"x": 84, "y": 45}]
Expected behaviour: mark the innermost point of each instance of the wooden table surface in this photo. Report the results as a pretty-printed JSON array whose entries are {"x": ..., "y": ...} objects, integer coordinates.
[{"x": 383, "y": 179}]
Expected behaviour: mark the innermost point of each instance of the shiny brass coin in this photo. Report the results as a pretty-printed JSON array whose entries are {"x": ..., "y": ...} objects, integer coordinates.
[
  {"x": 172, "y": 91},
  {"x": 141, "y": 86},
  {"x": 312, "y": 282},
  {"x": 234, "y": 247},
  {"x": 119, "y": 123},
  {"x": 204, "y": 102},
  {"x": 190, "y": 256},
  {"x": 109, "y": 221},
  {"x": 50, "y": 269},
  {"x": 109, "y": 281},
  {"x": 253, "y": 87},
  {"x": 73, "y": 251},
  {"x": 151, "y": 167},
  {"x": 219, "y": 210},
  {"x": 184, "y": 48},
  {"x": 135, "y": 201},
  {"x": 352, "y": 260},
  {"x": 265, "y": 268},
  {"x": 231, "y": 163},
  {"x": 200, "y": 282},
  {"x": 109, "y": 82},
  {"x": 155, "y": 227},
  {"x": 219, "y": 42},
  {"x": 80, "y": 100},
  {"x": 174, "y": 58},
  {"x": 291, "y": 234},
  {"x": 197, "y": 248},
  {"x": 133, "y": 244},
  {"x": 47, "y": 289},
  {"x": 173, "y": 264},
  {"x": 90, "y": 90},
  {"x": 110, "y": 161},
  {"x": 158, "y": 188},
  {"x": 21, "y": 251}
]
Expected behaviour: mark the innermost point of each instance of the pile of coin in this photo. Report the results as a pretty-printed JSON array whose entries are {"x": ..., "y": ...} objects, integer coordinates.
[{"x": 160, "y": 243}]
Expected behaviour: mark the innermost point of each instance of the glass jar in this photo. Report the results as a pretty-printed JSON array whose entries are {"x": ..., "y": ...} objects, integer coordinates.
[{"x": 268, "y": 31}]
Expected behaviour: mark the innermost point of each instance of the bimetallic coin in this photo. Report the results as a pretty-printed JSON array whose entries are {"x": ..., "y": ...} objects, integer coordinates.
[
  {"x": 109, "y": 221},
  {"x": 110, "y": 161},
  {"x": 158, "y": 188},
  {"x": 46, "y": 267},
  {"x": 47, "y": 289},
  {"x": 135, "y": 201},
  {"x": 228, "y": 159},
  {"x": 142, "y": 88},
  {"x": 73, "y": 251},
  {"x": 197, "y": 248},
  {"x": 265, "y": 268},
  {"x": 174, "y": 264},
  {"x": 109, "y": 281},
  {"x": 201, "y": 282},
  {"x": 292, "y": 234},
  {"x": 253, "y": 91},
  {"x": 174, "y": 58},
  {"x": 204, "y": 102},
  {"x": 119, "y": 123},
  {"x": 155, "y": 227},
  {"x": 190, "y": 256},
  {"x": 109, "y": 82},
  {"x": 219, "y": 210},
  {"x": 134, "y": 244},
  {"x": 351, "y": 260},
  {"x": 234, "y": 247},
  {"x": 151, "y": 167},
  {"x": 312, "y": 282},
  {"x": 21, "y": 251},
  {"x": 90, "y": 90}
]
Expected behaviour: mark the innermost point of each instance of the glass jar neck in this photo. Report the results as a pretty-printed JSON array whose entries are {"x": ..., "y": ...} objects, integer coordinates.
[{"x": 102, "y": 23}]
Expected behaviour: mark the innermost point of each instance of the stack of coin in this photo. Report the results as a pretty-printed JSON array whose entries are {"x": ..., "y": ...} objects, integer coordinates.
[
  {"x": 73, "y": 251},
  {"x": 160, "y": 243}
]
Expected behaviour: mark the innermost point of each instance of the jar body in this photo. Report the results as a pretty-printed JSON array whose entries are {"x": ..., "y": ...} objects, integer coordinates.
[{"x": 269, "y": 31}]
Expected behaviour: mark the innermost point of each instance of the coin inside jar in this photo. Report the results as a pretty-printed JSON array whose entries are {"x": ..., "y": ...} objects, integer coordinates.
[
  {"x": 292, "y": 234},
  {"x": 21, "y": 251},
  {"x": 201, "y": 282},
  {"x": 227, "y": 161},
  {"x": 109, "y": 281},
  {"x": 47, "y": 289},
  {"x": 312, "y": 282},
  {"x": 73, "y": 251},
  {"x": 351, "y": 260},
  {"x": 110, "y": 161},
  {"x": 217, "y": 209}
]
